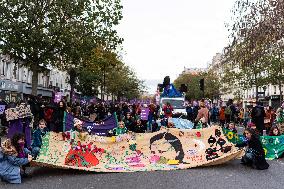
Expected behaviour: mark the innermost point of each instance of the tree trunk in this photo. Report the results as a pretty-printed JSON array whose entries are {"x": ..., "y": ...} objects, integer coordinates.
[
  {"x": 34, "y": 69},
  {"x": 71, "y": 93},
  {"x": 280, "y": 89},
  {"x": 256, "y": 90}
]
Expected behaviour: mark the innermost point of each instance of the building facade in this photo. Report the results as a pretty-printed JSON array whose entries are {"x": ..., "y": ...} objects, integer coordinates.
[
  {"x": 268, "y": 94},
  {"x": 15, "y": 81}
]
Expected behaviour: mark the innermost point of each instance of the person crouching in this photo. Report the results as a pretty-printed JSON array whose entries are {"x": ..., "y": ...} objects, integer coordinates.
[
  {"x": 13, "y": 156},
  {"x": 254, "y": 155}
]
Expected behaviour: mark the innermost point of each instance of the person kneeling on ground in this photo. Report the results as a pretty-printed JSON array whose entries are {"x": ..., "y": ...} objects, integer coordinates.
[
  {"x": 254, "y": 155},
  {"x": 13, "y": 156},
  {"x": 37, "y": 137}
]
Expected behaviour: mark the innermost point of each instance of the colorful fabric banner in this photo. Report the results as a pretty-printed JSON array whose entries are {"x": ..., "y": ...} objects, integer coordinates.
[
  {"x": 235, "y": 138},
  {"x": 273, "y": 146},
  {"x": 168, "y": 149}
]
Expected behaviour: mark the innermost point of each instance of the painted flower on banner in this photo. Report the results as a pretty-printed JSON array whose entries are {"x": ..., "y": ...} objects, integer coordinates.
[
  {"x": 230, "y": 135},
  {"x": 198, "y": 134}
]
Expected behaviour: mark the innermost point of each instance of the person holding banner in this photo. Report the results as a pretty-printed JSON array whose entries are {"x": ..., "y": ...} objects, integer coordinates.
[
  {"x": 57, "y": 118},
  {"x": 254, "y": 155},
  {"x": 13, "y": 156},
  {"x": 121, "y": 129}
]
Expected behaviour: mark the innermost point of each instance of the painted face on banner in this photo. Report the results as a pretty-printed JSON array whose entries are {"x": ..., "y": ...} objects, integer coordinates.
[{"x": 163, "y": 148}]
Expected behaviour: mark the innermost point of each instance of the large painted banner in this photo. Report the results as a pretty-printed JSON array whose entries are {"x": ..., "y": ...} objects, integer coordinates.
[{"x": 168, "y": 149}]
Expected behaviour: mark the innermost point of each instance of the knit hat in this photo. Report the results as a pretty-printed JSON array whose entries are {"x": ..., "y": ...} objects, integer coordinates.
[{"x": 77, "y": 122}]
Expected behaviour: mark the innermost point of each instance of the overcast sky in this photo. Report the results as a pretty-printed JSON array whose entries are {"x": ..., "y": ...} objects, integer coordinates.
[{"x": 161, "y": 37}]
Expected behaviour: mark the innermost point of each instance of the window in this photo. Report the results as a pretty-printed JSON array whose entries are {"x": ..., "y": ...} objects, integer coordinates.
[{"x": 274, "y": 89}]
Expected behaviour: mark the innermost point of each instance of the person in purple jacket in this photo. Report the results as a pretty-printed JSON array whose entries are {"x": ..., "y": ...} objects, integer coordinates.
[{"x": 13, "y": 156}]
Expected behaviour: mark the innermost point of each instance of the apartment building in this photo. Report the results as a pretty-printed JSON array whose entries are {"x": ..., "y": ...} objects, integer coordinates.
[
  {"x": 15, "y": 81},
  {"x": 269, "y": 94}
]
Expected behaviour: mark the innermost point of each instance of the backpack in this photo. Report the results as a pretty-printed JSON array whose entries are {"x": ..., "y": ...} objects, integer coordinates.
[{"x": 228, "y": 111}]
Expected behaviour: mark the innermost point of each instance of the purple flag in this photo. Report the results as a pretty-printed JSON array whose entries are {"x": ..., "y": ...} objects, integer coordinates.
[{"x": 144, "y": 113}]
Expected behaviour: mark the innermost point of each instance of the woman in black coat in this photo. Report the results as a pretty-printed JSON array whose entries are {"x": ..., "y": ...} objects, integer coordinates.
[
  {"x": 254, "y": 155},
  {"x": 57, "y": 118}
]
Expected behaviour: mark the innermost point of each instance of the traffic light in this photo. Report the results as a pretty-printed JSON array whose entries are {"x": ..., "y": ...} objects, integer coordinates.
[
  {"x": 201, "y": 84},
  {"x": 161, "y": 88}
]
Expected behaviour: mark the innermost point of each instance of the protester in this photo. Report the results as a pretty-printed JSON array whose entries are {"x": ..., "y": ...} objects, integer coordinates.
[
  {"x": 37, "y": 137},
  {"x": 203, "y": 114},
  {"x": 222, "y": 117},
  {"x": 129, "y": 121},
  {"x": 247, "y": 117},
  {"x": 274, "y": 131},
  {"x": 189, "y": 112},
  {"x": 280, "y": 115},
  {"x": 258, "y": 115},
  {"x": 232, "y": 127},
  {"x": 254, "y": 155},
  {"x": 139, "y": 127},
  {"x": 214, "y": 114},
  {"x": 13, "y": 156},
  {"x": 78, "y": 125},
  {"x": 57, "y": 120},
  {"x": 121, "y": 129},
  {"x": 268, "y": 119},
  {"x": 168, "y": 110},
  {"x": 241, "y": 116}
]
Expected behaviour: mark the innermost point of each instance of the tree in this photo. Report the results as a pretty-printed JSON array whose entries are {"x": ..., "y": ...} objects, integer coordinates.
[
  {"x": 123, "y": 82},
  {"x": 212, "y": 85},
  {"x": 43, "y": 33},
  {"x": 257, "y": 26}
]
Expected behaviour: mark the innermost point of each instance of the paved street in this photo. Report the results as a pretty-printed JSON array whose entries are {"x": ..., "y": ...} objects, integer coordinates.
[{"x": 231, "y": 175}]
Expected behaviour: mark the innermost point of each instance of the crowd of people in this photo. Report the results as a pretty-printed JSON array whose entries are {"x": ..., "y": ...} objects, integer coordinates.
[{"x": 48, "y": 116}]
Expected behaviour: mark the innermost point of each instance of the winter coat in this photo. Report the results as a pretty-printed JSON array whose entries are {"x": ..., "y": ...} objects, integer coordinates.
[
  {"x": 255, "y": 146},
  {"x": 57, "y": 120},
  {"x": 37, "y": 137},
  {"x": 203, "y": 113},
  {"x": 10, "y": 164},
  {"x": 258, "y": 115},
  {"x": 120, "y": 131}
]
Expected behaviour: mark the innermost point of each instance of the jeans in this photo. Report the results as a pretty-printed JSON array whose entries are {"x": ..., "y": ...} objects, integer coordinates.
[{"x": 35, "y": 151}]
